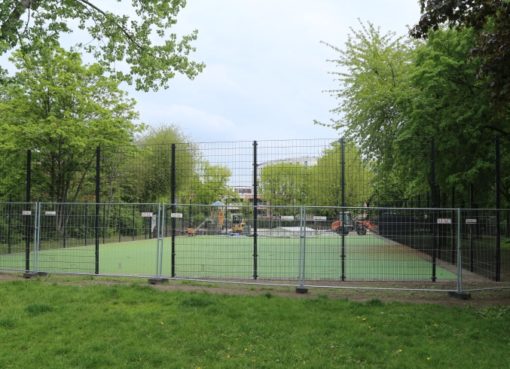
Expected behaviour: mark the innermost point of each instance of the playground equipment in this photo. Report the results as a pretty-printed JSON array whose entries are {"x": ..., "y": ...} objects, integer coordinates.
[
  {"x": 213, "y": 223},
  {"x": 191, "y": 231}
]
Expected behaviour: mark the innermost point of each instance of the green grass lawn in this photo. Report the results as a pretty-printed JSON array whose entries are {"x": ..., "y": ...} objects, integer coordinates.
[
  {"x": 47, "y": 325},
  {"x": 368, "y": 257}
]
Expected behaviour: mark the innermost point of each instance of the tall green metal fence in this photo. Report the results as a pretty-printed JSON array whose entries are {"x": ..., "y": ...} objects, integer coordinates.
[
  {"x": 64, "y": 212},
  {"x": 320, "y": 172}
]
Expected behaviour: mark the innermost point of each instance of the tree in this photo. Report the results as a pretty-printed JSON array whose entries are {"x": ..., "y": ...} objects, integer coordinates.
[
  {"x": 491, "y": 21},
  {"x": 327, "y": 178},
  {"x": 454, "y": 107},
  {"x": 110, "y": 37},
  {"x": 63, "y": 110},
  {"x": 285, "y": 183},
  {"x": 375, "y": 91},
  {"x": 399, "y": 98},
  {"x": 211, "y": 184},
  {"x": 142, "y": 173},
  {"x": 320, "y": 183},
  {"x": 374, "y": 85}
]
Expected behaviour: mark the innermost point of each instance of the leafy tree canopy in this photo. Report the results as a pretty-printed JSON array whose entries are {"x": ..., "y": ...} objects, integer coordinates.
[
  {"x": 491, "y": 21},
  {"x": 374, "y": 84},
  {"x": 62, "y": 110},
  {"x": 143, "y": 172},
  {"x": 285, "y": 183},
  {"x": 111, "y": 37},
  {"x": 397, "y": 98},
  {"x": 211, "y": 184}
]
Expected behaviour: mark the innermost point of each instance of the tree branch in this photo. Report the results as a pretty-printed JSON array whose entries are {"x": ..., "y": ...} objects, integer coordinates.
[
  {"x": 126, "y": 32},
  {"x": 82, "y": 178},
  {"x": 8, "y": 28},
  {"x": 499, "y": 130}
]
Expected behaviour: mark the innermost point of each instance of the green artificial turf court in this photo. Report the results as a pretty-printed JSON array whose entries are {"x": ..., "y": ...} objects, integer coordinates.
[{"x": 369, "y": 257}]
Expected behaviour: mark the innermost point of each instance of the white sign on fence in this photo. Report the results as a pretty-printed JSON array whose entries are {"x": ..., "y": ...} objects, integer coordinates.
[
  {"x": 50, "y": 213},
  {"x": 26, "y": 212},
  {"x": 471, "y": 221},
  {"x": 147, "y": 214},
  {"x": 444, "y": 221},
  {"x": 176, "y": 215},
  {"x": 320, "y": 218},
  {"x": 287, "y": 217}
]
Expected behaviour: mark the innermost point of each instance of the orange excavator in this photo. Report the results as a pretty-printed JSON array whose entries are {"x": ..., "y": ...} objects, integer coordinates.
[{"x": 338, "y": 227}]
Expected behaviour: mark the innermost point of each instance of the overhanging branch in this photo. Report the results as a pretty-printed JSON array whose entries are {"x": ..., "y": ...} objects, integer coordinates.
[
  {"x": 8, "y": 29},
  {"x": 504, "y": 133},
  {"x": 123, "y": 29}
]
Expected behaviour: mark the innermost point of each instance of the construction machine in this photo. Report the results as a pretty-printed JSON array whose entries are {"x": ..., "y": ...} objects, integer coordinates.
[
  {"x": 237, "y": 223},
  {"x": 351, "y": 224}
]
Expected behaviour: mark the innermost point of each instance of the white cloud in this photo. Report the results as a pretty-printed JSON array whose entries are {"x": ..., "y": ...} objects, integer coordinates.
[{"x": 201, "y": 124}]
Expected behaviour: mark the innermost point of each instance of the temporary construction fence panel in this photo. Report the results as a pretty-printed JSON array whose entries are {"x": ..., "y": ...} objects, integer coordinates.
[{"x": 334, "y": 246}]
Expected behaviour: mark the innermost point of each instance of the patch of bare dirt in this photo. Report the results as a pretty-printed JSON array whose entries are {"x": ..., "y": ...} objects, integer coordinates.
[{"x": 342, "y": 291}]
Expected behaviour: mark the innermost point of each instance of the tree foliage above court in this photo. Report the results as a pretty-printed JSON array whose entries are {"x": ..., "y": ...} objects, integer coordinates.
[
  {"x": 328, "y": 177},
  {"x": 374, "y": 83},
  {"x": 209, "y": 184},
  {"x": 319, "y": 181},
  {"x": 398, "y": 97},
  {"x": 62, "y": 110},
  {"x": 490, "y": 21},
  {"x": 142, "y": 172},
  {"x": 129, "y": 39},
  {"x": 285, "y": 183},
  {"x": 373, "y": 93}
]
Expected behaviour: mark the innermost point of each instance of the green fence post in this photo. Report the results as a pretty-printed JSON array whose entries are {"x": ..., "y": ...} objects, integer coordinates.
[
  {"x": 98, "y": 200},
  {"x": 173, "y": 205},
  {"x": 342, "y": 185},
  {"x": 28, "y": 216},
  {"x": 255, "y": 212},
  {"x": 498, "y": 207}
]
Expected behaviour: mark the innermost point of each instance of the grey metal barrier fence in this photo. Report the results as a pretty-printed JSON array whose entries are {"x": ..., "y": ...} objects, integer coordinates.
[{"x": 448, "y": 249}]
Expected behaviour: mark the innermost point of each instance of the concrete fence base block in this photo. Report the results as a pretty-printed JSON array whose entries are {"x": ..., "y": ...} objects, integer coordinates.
[
  {"x": 158, "y": 280},
  {"x": 460, "y": 295},
  {"x": 29, "y": 275},
  {"x": 301, "y": 290}
]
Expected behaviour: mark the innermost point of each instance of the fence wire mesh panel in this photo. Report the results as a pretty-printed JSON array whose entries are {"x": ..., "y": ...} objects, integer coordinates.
[
  {"x": 325, "y": 172},
  {"x": 367, "y": 244},
  {"x": 280, "y": 232},
  {"x": 128, "y": 239},
  {"x": 64, "y": 237},
  {"x": 315, "y": 210},
  {"x": 16, "y": 236},
  {"x": 406, "y": 244},
  {"x": 293, "y": 172},
  {"x": 211, "y": 242},
  {"x": 484, "y": 249},
  {"x": 198, "y": 173},
  {"x": 313, "y": 172},
  {"x": 230, "y": 241}
]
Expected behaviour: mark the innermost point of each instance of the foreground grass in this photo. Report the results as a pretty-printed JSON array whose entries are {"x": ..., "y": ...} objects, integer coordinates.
[{"x": 56, "y": 326}]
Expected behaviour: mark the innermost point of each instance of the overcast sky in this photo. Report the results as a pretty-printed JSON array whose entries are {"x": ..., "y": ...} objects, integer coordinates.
[{"x": 266, "y": 68}]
